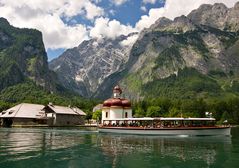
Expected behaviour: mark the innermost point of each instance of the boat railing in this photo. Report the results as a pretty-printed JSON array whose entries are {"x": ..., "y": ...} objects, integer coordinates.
[{"x": 160, "y": 122}]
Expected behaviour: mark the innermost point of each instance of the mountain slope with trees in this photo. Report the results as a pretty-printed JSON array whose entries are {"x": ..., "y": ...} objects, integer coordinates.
[
  {"x": 24, "y": 72},
  {"x": 189, "y": 57},
  {"x": 23, "y": 56},
  {"x": 194, "y": 56}
]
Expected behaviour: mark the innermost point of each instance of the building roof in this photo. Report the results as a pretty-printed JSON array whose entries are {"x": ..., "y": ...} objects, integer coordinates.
[
  {"x": 98, "y": 107},
  {"x": 66, "y": 110},
  {"x": 117, "y": 102},
  {"x": 117, "y": 89},
  {"x": 24, "y": 110},
  {"x": 162, "y": 119}
]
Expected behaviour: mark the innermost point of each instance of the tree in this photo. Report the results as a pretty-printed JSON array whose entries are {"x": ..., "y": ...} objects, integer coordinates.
[
  {"x": 139, "y": 112},
  {"x": 88, "y": 115},
  {"x": 153, "y": 111},
  {"x": 4, "y": 106},
  {"x": 97, "y": 115},
  {"x": 174, "y": 112}
]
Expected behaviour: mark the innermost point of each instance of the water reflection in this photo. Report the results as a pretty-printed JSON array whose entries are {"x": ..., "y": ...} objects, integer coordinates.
[
  {"x": 21, "y": 143},
  {"x": 184, "y": 149},
  {"x": 74, "y": 147}
]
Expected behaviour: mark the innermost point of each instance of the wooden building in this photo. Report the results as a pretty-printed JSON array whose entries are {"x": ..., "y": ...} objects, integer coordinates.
[
  {"x": 64, "y": 116},
  {"x": 36, "y": 114},
  {"x": 24, "y": 114}
]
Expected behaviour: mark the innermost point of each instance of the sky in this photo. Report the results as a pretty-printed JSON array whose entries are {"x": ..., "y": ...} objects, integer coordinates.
[{"x": 66, "y": 23}]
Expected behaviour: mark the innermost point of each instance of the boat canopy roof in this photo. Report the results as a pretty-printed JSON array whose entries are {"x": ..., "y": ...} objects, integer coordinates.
[
  {"x": 188, "y": 119},
  {"x": 161, "y": 119}
]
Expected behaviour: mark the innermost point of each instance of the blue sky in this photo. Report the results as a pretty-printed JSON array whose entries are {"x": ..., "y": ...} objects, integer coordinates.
[
  {"x": 66, "y": 23},
  {"x": 129, "y": 13}
]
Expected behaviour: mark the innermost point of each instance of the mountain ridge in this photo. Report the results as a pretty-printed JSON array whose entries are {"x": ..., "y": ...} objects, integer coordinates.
[
  {"x": 79, "y": 65},
  {"x": 23, "y": 57},
  {"x": 196, "y": 42}
]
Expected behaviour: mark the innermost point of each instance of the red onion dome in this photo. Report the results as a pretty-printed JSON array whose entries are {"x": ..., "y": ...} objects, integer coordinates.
[
  {"x": 126, "y": 103},
  {"x": 116, "y": 102},
  {"x": 117, "y": 89},
  {"x": 107, "y": 103}
]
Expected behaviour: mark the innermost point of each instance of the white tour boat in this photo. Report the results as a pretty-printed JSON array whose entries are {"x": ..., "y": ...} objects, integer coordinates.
[
  {"x": 117, "y": 118},
  {"x": 164, "y": 126}
]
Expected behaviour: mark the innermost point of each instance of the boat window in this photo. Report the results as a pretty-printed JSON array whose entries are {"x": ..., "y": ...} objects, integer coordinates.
[
  {"x": 126, "y": 115},
  {"x": 106, "y": 114}
]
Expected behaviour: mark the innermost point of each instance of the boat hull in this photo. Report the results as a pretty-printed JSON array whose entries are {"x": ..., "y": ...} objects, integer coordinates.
[{"x": 169, "y": 131}]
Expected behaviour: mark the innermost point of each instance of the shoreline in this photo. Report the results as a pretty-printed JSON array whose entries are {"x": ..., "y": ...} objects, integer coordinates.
[
  {"x": 46, "y": 126},
  {"x": 73, "y": 126}
]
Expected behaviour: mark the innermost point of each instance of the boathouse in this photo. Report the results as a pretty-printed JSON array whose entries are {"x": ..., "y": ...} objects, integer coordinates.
[
  {"x": 23, "y": 114},
  {"x": 64, "y": 116},
  {"x": 116, "y": 107},
  {"x": 36, "y": 114}
]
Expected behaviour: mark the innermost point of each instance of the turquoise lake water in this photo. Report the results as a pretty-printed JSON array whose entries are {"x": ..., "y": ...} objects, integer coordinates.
[{"x": 70, "y": 148}]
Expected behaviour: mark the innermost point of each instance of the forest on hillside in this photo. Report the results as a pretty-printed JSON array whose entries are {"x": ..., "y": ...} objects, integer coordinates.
[{"x": 224, "y": 108}]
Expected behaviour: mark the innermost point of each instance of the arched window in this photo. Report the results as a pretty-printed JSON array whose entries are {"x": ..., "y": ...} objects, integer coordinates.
[
  {"x": 106, "y": 114},
  {"x": 126, "y": 115}
]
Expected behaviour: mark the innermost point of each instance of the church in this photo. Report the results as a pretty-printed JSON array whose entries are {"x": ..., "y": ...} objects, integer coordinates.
[{"x": 116, "y": 107}]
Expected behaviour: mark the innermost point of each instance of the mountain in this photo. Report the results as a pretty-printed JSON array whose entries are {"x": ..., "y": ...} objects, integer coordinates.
[
  {"x": 24, "y": 72},
  {"x": 191, "y": 56},
  {"x": 217, "y": 16},
  {"x": 23, "y": 58},
  {"x": 85, "y": 68}
]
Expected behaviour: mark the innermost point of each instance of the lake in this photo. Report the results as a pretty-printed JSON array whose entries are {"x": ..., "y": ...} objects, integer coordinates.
[{"x": 78, "y": 147}]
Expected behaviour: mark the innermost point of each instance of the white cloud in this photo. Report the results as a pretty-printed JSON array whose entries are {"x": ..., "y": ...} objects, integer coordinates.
[
  {"x": 67, "y": 8},
  {"x": 93, "y": 11},
  {"x": 143, "y": 8},
  {"x": 105, "y": 28},
  {"x": 174, "y": 8},
  {"x": 118, "y": 2},
  {"x": 147, "y": 20},
  {"x": 130, "y": 40},
  {"x": 46, "y": 16},
  {"x": 112, "y": 12},
  {"x": 149, "y": 1},
  {"x": 96, "y": 1}
]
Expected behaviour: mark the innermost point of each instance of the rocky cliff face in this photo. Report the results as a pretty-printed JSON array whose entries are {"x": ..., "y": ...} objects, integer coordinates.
[
  {"x": 205, "y": 41},
  {"x": 188, "y": 56},
  {"x": 217, "y": 16},
  {"x": 23, "y": 57},
  {"x": 86, "y": 67}
]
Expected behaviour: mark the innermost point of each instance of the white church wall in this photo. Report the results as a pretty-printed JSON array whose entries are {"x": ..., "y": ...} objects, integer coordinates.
[
  {"x": 104, "y": 116},
  {"x": 116, "y": 112},
  {"x": 129, "y": 113}
]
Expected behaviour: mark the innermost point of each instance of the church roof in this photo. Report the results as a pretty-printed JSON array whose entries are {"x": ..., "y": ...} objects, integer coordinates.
[
  {"x": 116, "y": 102},
  {"x": 117, "y": 89}
]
